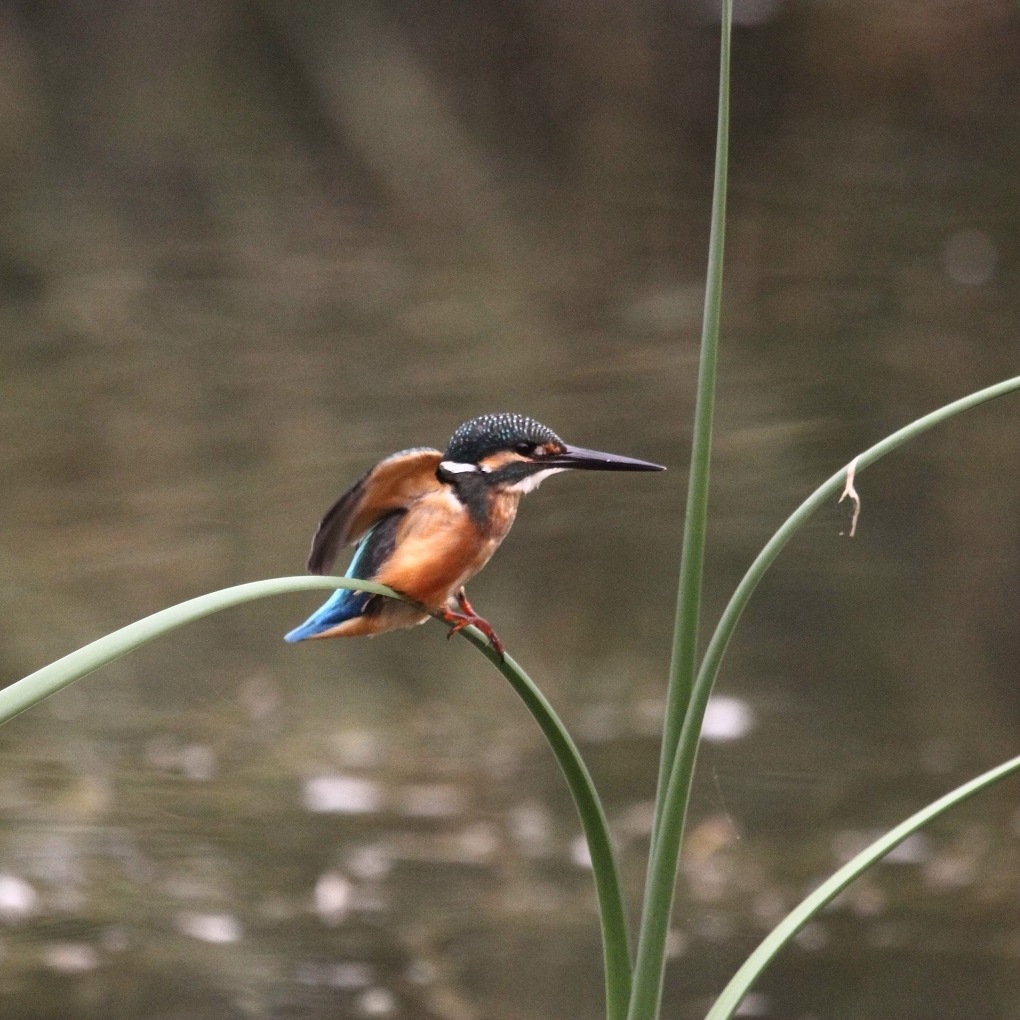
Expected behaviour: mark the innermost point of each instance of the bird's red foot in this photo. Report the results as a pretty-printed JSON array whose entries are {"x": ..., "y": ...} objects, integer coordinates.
[
  {"x": 465, "y": 607},
  {"x": 469, "y": 618}
]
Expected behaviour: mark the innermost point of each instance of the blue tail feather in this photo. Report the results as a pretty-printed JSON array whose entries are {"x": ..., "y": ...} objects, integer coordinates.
[{"x": 344, "y": 604}]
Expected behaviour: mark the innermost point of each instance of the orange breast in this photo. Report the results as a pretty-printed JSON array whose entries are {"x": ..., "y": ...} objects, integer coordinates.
[{"x": 439, "y": 548}]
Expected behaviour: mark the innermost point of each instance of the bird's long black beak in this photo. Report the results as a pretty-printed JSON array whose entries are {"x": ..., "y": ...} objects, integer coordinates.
[{"x": 577, "y": 457}]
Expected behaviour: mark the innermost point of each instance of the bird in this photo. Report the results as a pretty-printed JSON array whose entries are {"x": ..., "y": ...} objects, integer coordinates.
[{"x": 425, "y": 522}]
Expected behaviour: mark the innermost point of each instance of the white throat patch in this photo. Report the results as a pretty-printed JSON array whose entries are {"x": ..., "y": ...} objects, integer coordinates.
[{"x": 531, "y": 482}]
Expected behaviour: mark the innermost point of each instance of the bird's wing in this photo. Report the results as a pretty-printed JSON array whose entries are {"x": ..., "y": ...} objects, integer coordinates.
[{"x": 393, "y": 484}]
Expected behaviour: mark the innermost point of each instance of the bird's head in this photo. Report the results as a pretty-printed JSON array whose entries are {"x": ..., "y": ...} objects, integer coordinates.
[{"x": 515, "y": 453}]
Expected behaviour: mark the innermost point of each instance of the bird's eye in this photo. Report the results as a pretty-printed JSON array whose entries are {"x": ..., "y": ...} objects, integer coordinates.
[{"x": 526, "y": 448}]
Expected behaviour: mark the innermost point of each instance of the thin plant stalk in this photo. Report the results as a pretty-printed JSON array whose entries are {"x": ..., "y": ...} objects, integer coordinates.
[
  {"x": 666, "y": 849},
  {"x": 683, "y": 661},
  {"x": 608, "y": 887},
  {"x": 54, "y": 677},
  {"x": 822, "y": 495},
  {"x": 650, "y": 963},
  {"x": 732, "y": 995}
]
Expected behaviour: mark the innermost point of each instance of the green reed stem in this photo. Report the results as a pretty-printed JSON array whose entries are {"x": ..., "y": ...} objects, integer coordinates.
[
  {"x": 732, "y": 995},
  {"x": 666, "y": 849},
  {"x": 57, "y": 675},
  {"x": 612, "y": 913},
  {"x": 651, "y": 962}
]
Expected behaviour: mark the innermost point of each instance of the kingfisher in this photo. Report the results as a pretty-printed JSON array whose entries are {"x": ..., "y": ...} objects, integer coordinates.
[{"x": 426, "y": 522}]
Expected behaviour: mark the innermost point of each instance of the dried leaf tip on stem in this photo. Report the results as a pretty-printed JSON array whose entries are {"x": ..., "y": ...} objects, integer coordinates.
[{"x": 850, "y": 492}]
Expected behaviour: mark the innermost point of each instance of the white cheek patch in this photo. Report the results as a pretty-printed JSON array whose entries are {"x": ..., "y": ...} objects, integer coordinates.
[
  {"x": 454, "y": 468},
  {"x": 532, "y": 482}
]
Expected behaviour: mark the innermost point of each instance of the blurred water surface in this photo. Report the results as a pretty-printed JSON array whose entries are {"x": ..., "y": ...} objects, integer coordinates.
[{"x": 247, "y": 250}]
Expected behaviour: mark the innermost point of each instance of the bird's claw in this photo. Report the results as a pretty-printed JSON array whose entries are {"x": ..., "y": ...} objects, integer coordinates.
[{"x": 470, "y": 618}]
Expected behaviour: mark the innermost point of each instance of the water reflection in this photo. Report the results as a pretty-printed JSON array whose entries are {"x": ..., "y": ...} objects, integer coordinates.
[{"x": 224, "y": 297}]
